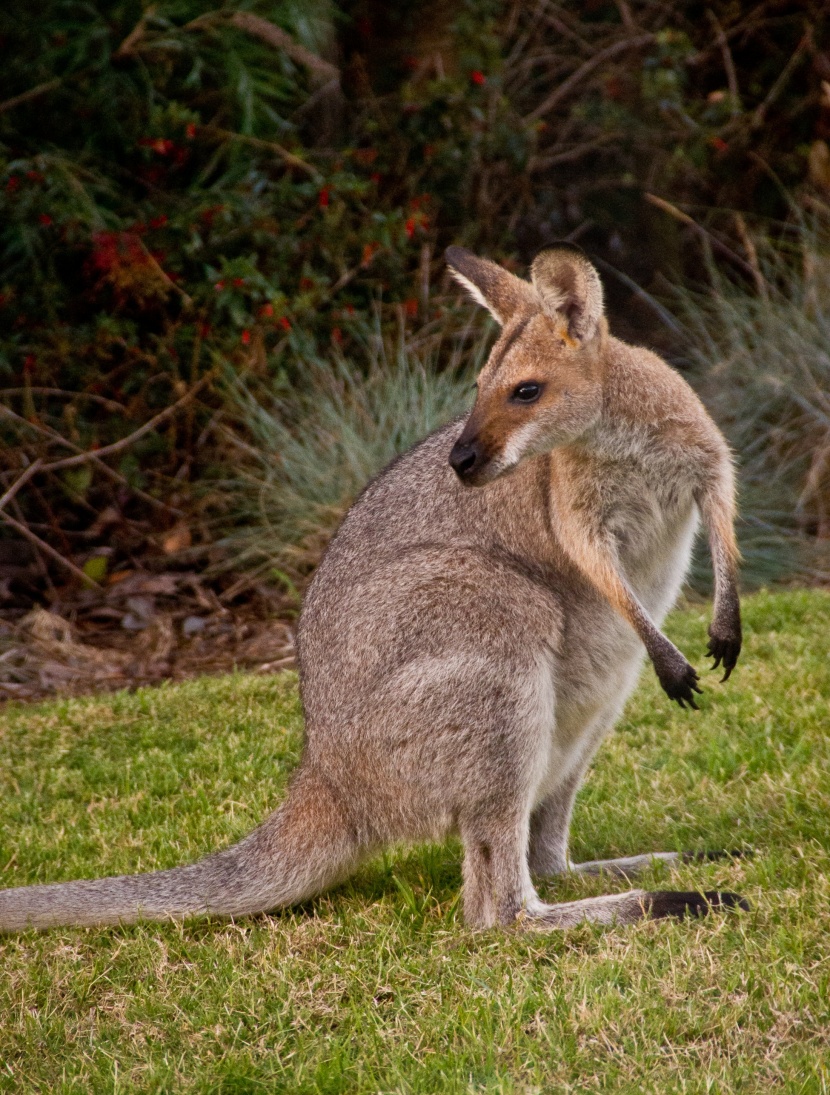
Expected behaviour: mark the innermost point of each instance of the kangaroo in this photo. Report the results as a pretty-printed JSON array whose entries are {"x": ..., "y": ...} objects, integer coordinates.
[{"x": 476, "y": 626}]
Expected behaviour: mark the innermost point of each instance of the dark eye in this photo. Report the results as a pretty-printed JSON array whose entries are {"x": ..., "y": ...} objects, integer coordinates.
[{"x": 526, "y": 392}]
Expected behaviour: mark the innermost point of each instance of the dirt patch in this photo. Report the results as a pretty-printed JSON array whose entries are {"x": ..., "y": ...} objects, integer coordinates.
[{"x": 143, "y": 629}]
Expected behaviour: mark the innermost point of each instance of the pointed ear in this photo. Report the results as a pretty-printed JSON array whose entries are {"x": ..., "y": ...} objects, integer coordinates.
[
  {"x": 499, "y": 291},
  {"x": 569, "y": 288}
]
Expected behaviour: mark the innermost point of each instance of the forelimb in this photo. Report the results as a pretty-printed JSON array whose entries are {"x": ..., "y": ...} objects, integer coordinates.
[
  {"x": 593, "y": 551},
  {"x": 717, "y": 510}
]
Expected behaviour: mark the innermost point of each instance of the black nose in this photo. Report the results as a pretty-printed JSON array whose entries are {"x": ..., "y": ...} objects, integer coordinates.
[{"x": 465, "y": 458}]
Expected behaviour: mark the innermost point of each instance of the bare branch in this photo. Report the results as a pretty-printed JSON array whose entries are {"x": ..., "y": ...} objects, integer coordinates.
[
  {"x": 125, "y": 442},
  {"x": 779, "y": 85},
  {"x": 164, "y": 276},
  {"x": 269, "y": 146},
  {"x": 684, "y": 218},
  {"x": 728, "y": 64},
  {"x": 752, "y": 256},
  {"x": 136, "y": 34},
  {"x": 19, "y": 482},
  {"x": 24, "y": 530},
  {"x": 27, "y": 96},
  {"x": 566, "y": 87},
  {"x": 109, "y": 404},
  {"x": 626, "y": 16},
  {"x": 541, "y": 163},
  {"x": 275, "y": 36},
  {"x": 59, "y": 439}
]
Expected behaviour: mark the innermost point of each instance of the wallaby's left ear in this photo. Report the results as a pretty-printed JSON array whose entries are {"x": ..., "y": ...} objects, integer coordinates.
[
  {"x": 501, "y": 293},
  {"x": 569, "y": 288}
]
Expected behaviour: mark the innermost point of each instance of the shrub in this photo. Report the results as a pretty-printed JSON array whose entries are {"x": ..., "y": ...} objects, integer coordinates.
[
  {"x": 762, "y": 359},
  {"x": 189, "y": 187},
  {"x": 310, "y": 448}
]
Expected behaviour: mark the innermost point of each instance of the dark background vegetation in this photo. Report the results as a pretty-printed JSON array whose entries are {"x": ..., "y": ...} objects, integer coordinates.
[{"x": 222, "y": 225}]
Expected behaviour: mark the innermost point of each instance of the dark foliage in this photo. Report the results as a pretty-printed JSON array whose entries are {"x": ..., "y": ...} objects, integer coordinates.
[{"x": 190, "y": 188}]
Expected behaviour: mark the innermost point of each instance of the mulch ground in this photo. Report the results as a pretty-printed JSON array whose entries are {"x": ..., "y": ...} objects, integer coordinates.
[{"x": 142, "y": 629}]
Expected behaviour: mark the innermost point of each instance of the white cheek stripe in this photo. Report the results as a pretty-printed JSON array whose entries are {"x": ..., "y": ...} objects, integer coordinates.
[{"x": 517, "y": 445}]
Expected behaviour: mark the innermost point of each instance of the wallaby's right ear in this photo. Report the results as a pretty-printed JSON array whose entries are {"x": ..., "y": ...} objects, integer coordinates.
[
  {"x": 569, "y": 288},
  {"x": 501, "y": 292}
]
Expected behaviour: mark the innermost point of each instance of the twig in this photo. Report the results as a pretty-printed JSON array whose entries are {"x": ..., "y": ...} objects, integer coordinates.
[
  {"x": 626, "y": 16},
  {"x": 275, "y": 36},
  {"x": 779, "y": 85},
  {"x": 423, "y": 277},
  {"x": 752, "y": 256},
  {"x": 684, "y": 218},
  {"x": 541, "y": 163},
  {"x": 272, "y": 35},
  {"x": 109, "y": 404},
  {"x": 59, "y": 439},
  {"x": 164, "y": 276},
  {"x": 655, "y": 305},
  {"x": 18, "y": 483},
  {"x": 136, "y": 34},
  {"x": 41, "y": 545},
  {"x": 728, "y": 64},
  {"x": 269, "y": 146},
  {"x": 585, "y": 69},
  {"x": 27, "y": 96},
  {"x": 564, "y": 31},
  {"x": 125, "y": 442}
]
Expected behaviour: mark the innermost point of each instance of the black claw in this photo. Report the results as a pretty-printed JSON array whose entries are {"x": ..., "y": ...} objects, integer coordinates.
[
  {"x": 725, "y": 653},
  {"x": 679, "y": 680}
]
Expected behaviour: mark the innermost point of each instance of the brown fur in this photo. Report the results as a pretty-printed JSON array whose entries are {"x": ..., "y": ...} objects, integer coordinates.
[{"x": 476, "y": 626}]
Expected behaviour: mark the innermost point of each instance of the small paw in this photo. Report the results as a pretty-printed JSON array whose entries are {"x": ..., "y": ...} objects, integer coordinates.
[
  {"x": 725, "y": 651},
  {"x": 680, "y": 682}
]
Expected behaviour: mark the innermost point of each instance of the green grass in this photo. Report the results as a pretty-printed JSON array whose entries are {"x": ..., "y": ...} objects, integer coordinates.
[{"x": 378, "y": 987}]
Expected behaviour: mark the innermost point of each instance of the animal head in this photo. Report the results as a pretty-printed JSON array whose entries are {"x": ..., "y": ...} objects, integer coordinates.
[{"x": 541, "y": 386}]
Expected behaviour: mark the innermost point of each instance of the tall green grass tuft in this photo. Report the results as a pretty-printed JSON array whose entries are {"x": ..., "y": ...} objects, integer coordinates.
[
  {"x": 310, "y": 448},
  {"x": 761, "y": 356}
]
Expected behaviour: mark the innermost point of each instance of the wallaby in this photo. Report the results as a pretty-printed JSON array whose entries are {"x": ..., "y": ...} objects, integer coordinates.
[{"x": 476, "y": 626}]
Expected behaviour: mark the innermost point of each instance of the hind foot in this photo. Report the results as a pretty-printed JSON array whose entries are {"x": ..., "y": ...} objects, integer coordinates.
[{"x": 633, "y": 865}]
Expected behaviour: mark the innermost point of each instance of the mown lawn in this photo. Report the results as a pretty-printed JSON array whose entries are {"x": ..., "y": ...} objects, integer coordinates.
[{"x": 378, "y": 987}]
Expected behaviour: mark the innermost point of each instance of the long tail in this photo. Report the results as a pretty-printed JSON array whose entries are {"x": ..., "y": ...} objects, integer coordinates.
[{"x": 301, "y": 849}]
